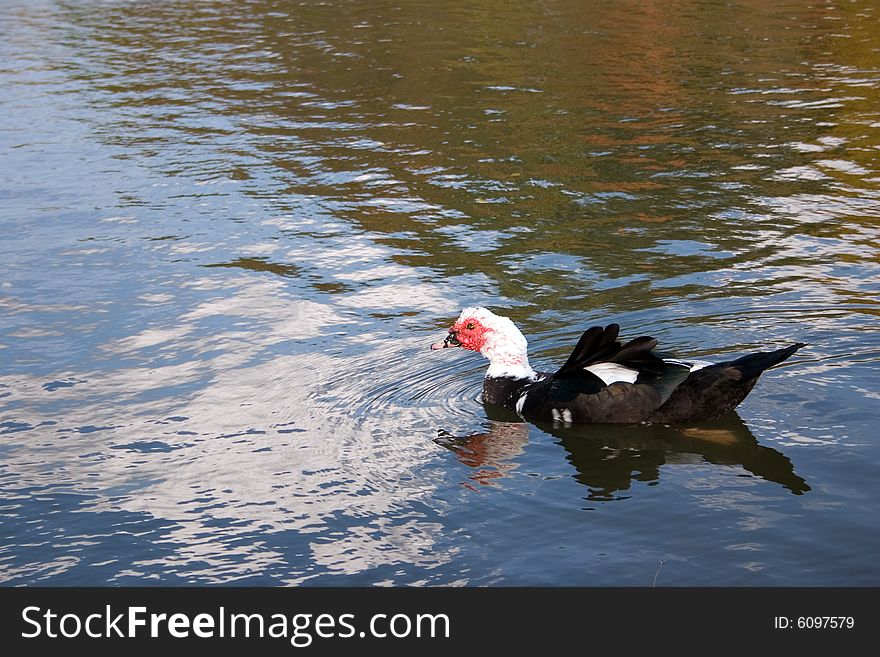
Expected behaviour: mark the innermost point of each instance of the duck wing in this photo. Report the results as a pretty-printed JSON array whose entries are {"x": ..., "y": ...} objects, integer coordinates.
[
  {"x": 594, "y": 345},
  {"x": 599, "y": 345},
  {"x": 602, "y": 381}
]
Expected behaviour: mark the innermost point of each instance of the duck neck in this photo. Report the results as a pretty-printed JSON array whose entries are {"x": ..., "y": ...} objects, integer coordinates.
[{"x": 508, "y": 363}]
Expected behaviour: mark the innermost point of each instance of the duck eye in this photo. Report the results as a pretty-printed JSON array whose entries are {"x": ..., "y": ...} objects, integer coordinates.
[{"x": 470, "y": 326}]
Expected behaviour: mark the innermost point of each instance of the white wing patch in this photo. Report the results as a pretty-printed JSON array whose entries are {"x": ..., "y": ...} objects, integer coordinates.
[
  {"x": 693, "y": 365},
  {"x": 561, "y": 415},
  {"x": 612, "y": 373},
  {"x": 520, "y": 403}
]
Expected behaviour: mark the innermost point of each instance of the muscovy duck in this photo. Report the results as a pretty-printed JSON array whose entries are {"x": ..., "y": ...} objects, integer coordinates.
[{"x": 604, "y": 381}]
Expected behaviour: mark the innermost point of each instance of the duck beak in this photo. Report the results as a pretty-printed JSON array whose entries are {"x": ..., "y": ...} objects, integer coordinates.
[{"x": 449, "y": 341}]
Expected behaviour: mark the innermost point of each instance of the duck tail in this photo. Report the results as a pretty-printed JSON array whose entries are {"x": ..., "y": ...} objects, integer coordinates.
[{"x": 752, "y": 365}]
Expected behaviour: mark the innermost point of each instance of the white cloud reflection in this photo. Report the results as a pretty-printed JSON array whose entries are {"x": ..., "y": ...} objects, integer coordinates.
[{"x": 229, "y": 430}]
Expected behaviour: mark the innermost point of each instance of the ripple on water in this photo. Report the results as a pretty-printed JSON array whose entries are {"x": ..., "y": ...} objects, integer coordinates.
[{"x": 402, "y": 379}]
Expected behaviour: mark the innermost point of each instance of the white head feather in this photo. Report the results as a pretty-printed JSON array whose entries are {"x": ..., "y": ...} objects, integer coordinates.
[{"x": 505, "y": 345}]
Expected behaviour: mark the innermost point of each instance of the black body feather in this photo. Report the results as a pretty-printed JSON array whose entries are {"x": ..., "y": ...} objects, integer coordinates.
[{"x": 666, "y": 392}]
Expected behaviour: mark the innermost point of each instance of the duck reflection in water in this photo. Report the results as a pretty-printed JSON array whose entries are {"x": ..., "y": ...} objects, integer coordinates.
[{"x": 608, "y": 458}]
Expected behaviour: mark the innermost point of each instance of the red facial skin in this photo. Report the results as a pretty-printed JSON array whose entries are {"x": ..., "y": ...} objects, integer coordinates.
[{"x": 470, "y": 338}]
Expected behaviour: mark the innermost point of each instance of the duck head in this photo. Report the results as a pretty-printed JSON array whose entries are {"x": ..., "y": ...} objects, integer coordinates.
[{"x": 495, "y": 337}]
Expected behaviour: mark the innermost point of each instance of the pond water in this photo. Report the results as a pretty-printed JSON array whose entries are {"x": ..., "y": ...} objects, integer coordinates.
[{"x": 231, "y": 231}]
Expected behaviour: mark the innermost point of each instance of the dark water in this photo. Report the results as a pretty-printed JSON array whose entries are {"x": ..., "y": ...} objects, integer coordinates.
[{"x": 232, "y": 229}]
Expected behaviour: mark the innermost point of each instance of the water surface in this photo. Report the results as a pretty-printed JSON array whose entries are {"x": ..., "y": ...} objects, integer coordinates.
[{"x": 232, "y": 230}]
